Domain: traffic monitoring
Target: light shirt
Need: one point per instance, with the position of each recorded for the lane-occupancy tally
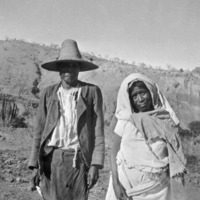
(64, 135)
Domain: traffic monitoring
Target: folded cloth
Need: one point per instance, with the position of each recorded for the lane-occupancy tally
(141, 185)
(157, 124)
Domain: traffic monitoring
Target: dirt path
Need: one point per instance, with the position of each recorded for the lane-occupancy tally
(15, 177)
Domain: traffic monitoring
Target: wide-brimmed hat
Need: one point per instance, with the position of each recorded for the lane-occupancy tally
(69, 53)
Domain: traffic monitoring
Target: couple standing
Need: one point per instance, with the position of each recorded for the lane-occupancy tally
(69, 147)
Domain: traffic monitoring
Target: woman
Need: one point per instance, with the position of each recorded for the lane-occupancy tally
(146, 150)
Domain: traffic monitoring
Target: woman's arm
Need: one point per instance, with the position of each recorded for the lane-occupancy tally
(114, 150)
(120, 191)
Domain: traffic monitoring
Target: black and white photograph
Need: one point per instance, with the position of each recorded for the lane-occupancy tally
(99, 100)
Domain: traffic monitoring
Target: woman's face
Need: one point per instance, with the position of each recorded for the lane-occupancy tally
(140, 98)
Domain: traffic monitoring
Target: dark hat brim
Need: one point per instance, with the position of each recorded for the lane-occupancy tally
(85, 65)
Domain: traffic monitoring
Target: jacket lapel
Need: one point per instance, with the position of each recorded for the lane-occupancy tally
(54, 92)
(54, 107)
(81, 107)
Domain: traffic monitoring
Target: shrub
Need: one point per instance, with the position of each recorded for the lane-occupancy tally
(9, 115)
(185, 133)
(8, 111)
(195, 127)
(19, 122)
(35, 90)
(181, 70)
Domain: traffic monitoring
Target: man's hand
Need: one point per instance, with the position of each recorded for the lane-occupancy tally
(180, 179)
(35, 179)
(93, 176)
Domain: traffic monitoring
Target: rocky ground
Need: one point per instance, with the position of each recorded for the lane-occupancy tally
(15, 177)
(14, 174)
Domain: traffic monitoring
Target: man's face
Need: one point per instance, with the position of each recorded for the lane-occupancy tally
(69, 72)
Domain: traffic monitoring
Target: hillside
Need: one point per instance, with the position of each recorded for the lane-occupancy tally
(21, 76)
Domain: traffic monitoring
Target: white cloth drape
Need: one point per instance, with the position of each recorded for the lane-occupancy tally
(124, 110)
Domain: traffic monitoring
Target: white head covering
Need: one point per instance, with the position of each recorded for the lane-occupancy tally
(124, 109)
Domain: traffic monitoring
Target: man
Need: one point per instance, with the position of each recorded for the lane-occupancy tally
(68, 148)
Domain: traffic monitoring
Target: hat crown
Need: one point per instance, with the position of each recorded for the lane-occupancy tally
(69, 51)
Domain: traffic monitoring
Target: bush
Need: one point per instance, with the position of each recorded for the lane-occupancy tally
(8, 111)
(195, 127)
(185, 133)
(9, 115)
(19, 122)
(35, 90)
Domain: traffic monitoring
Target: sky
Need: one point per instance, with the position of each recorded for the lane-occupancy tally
(154, 32)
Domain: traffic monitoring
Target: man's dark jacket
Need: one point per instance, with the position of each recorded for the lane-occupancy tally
(90, 125)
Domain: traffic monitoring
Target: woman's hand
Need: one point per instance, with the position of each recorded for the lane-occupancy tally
(35, 179)
(120, 191)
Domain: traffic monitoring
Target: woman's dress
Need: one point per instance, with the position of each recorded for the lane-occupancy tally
(142, 168)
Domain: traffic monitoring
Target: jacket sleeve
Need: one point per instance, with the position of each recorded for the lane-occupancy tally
(99, 141)
(40, 123)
